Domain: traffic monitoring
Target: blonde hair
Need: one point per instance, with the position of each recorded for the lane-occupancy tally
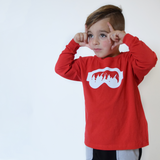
(112, 12)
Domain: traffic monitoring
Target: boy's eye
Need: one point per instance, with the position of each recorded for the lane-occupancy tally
(90, 35)
(103, 35)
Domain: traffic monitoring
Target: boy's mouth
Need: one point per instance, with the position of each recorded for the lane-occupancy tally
(97, 49)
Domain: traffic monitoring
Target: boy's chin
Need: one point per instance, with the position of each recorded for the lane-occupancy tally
(102, 57)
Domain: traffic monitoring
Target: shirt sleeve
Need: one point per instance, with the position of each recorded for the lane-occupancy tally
(142, 58)
(66, 65)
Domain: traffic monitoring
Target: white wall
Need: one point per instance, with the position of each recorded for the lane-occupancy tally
(42, 114)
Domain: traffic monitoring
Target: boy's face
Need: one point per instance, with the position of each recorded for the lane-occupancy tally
(98, 40)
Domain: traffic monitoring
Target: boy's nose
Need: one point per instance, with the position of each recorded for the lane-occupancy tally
(95, 41)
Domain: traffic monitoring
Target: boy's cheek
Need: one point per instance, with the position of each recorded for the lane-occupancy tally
(106, 43)
(89, 45)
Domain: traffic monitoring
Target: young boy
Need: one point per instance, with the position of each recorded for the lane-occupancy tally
(116, 127)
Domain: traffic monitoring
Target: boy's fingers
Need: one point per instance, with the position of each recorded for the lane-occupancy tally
(86, 30)
(85, 38)
(86, 34)
(110, 27)
(111, 37)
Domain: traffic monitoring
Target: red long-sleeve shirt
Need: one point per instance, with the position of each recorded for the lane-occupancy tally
(115, 118)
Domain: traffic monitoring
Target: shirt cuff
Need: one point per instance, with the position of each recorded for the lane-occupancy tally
(128, 39)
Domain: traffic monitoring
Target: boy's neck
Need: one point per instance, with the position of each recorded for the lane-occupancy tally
(115, 53)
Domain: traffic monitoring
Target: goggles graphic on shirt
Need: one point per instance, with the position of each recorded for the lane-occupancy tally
(110, 76)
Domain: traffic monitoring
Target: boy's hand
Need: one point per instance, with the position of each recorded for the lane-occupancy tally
(82, 38)
(115, 36)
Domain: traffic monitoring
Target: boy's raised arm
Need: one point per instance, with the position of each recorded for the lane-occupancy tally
(143, 59)
(66, 66)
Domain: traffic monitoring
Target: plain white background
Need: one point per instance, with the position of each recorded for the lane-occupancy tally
(42, 114)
